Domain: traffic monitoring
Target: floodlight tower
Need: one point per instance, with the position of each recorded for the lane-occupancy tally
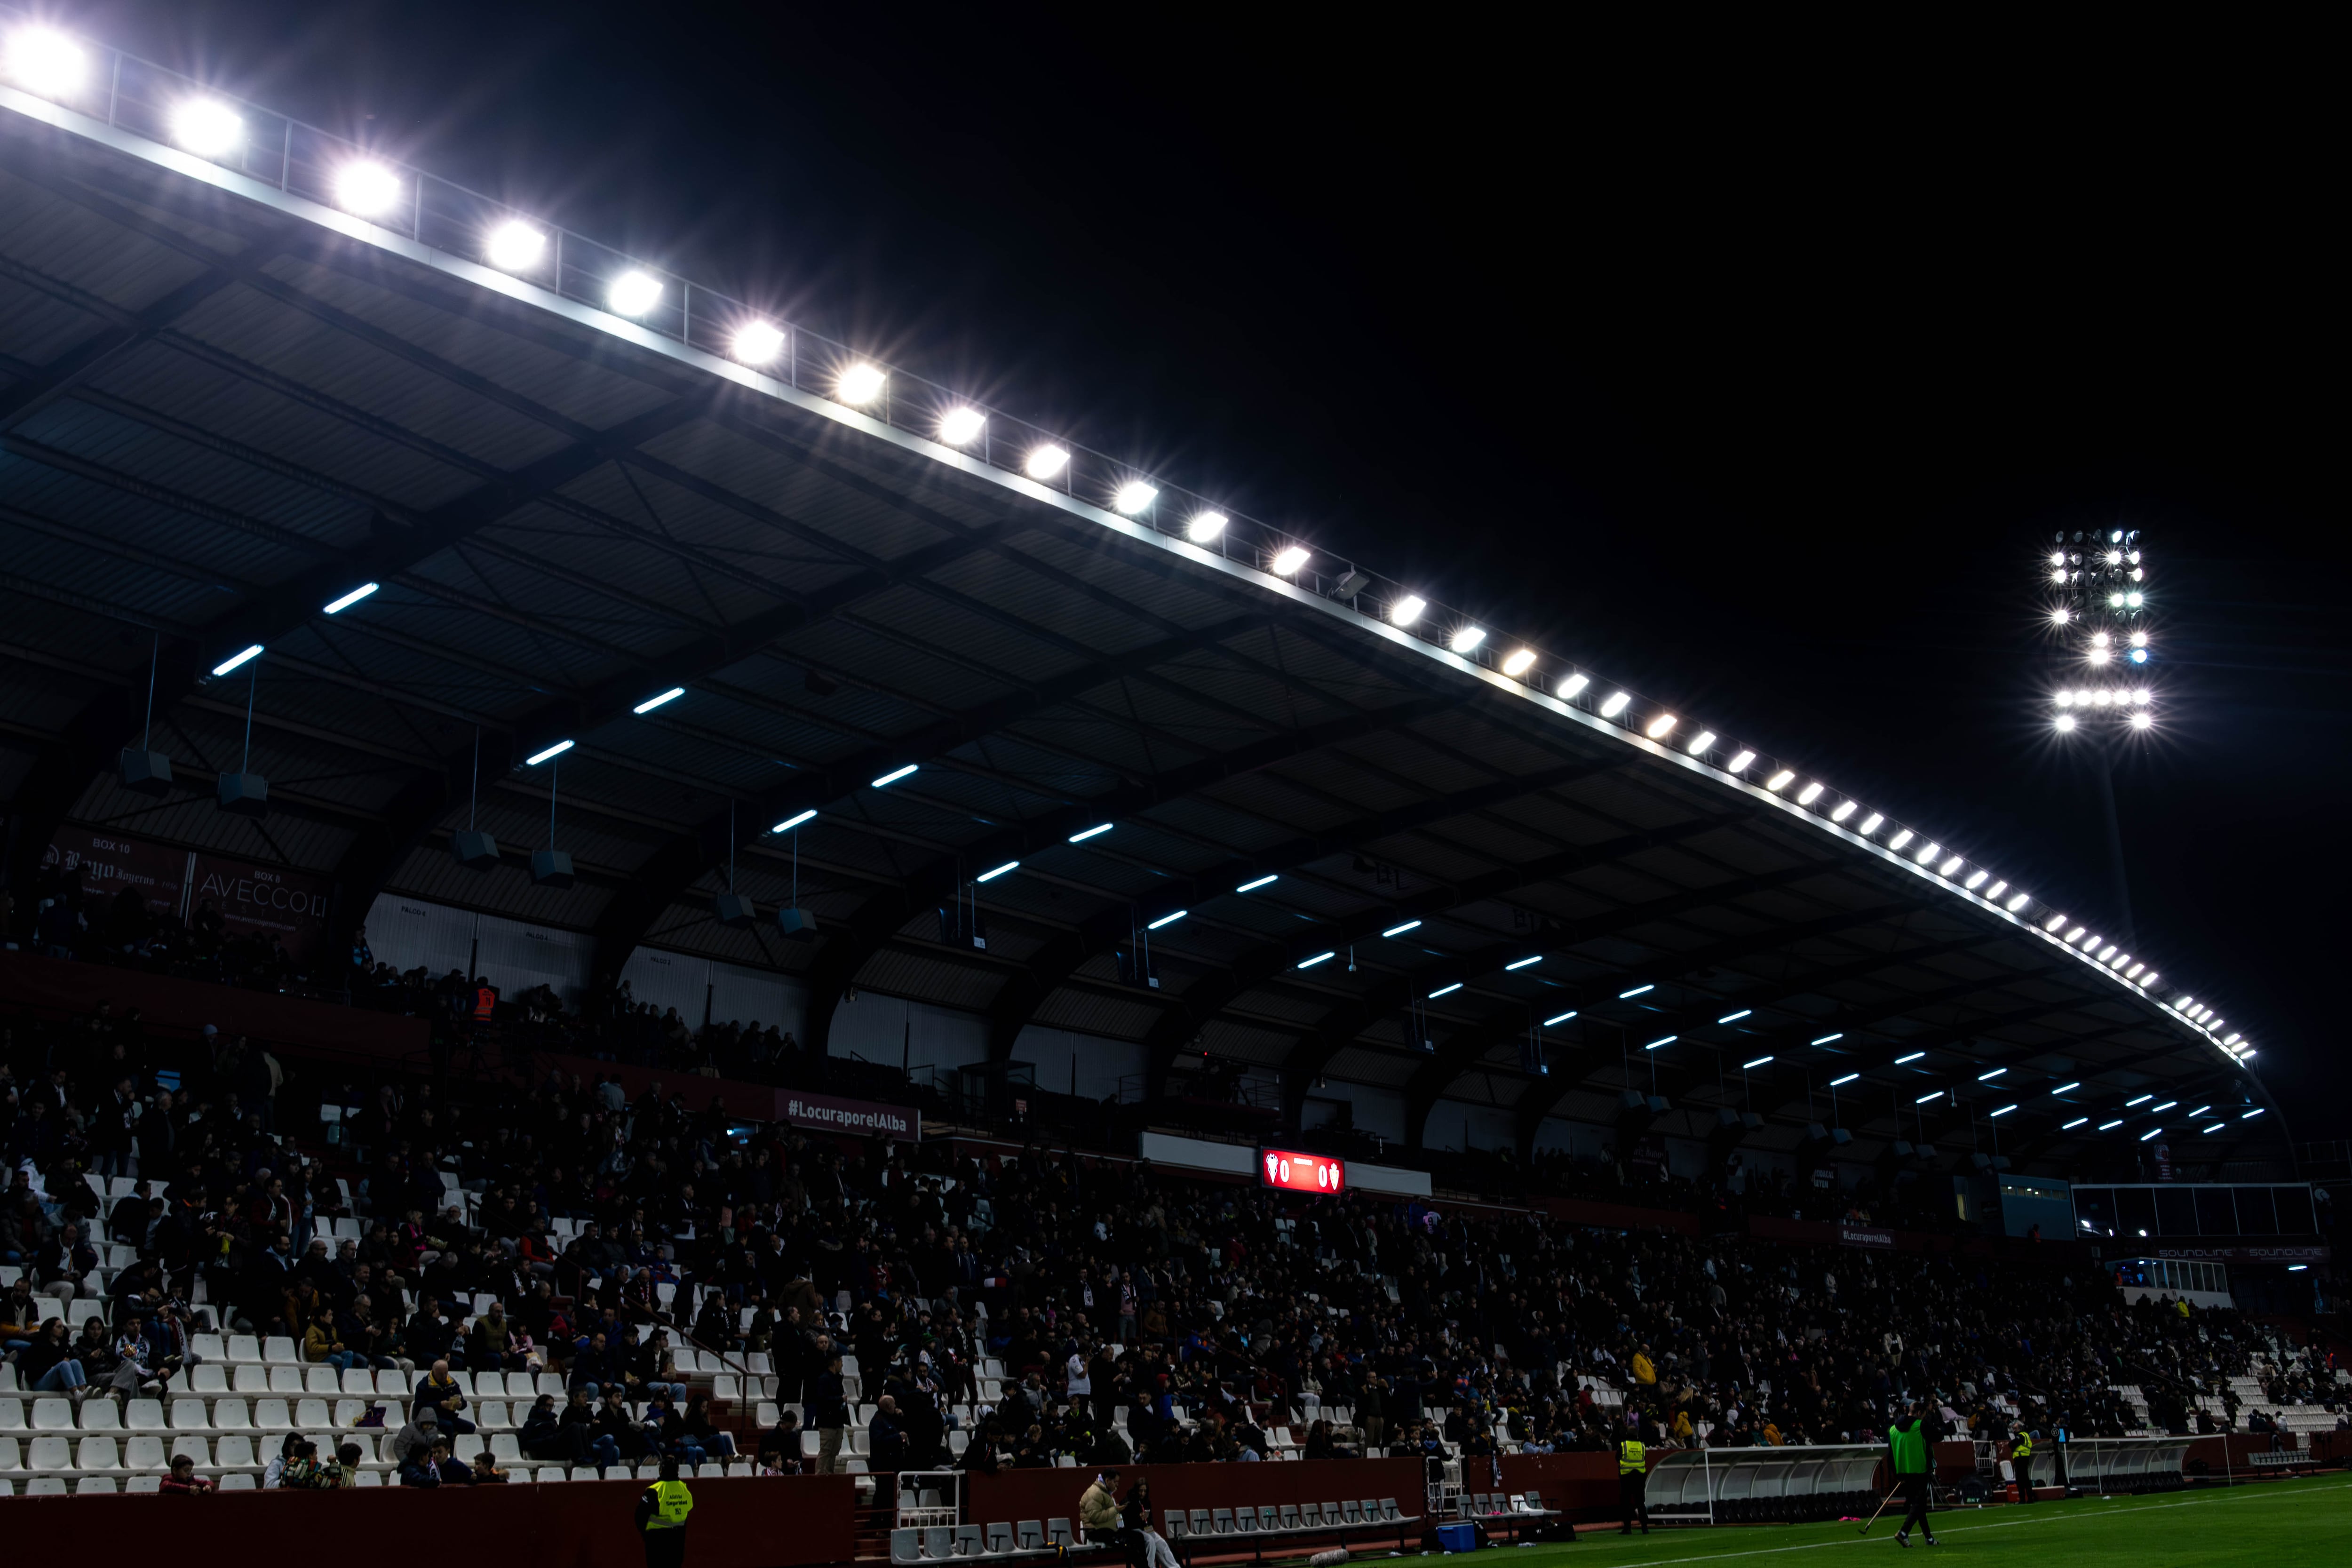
(2097, 602)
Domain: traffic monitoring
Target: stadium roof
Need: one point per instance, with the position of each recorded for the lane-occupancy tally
(1402, 857)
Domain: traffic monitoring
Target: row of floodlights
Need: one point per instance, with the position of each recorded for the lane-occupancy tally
(50, 63)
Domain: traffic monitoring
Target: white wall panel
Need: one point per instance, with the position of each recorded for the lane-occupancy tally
(405, 933)
(1099, 1064)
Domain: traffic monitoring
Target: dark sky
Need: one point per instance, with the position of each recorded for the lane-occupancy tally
(1754, 369)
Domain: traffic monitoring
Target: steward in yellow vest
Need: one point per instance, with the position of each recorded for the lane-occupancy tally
(1634, 1484)
(662, 1511)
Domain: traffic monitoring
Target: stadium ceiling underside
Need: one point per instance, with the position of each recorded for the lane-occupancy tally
(215, 418)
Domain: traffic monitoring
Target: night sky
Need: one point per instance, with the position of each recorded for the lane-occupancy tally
(1754, 369)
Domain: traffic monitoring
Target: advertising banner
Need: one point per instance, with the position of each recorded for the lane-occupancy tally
(829, 1113)
(265, 901)
(109, 862)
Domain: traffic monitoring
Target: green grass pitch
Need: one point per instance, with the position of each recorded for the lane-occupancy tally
(2278, 1524)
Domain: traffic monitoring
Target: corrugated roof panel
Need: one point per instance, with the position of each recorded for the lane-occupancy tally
(897, 971)
(855, 523)
(1091, 1012)
(66, 241)
(305, 350)
(479, 333)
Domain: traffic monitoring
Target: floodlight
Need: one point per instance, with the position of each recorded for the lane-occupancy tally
(1871, 825)
(2249, 1115)
(1205, 526)
(1400, 931)
(999, 871)
(1133, 496)
(2142, 719)
(1405, 611)
(1084, 834)
(962, 425)
(2133, 600)
(206, 127)
(366, 187)
(1950, 865)
(556, 750)
(2143, 1099)
(2155, 1109)
(1735, 1017)
(1976, 881)
(2140, 656)
(45, 61)
(1265, 881)
(2114, 557)
(1738, 764)
(1524, 659)
(1167, 919)
(634, 293)
(2100, 656)
(759, 342)
(2058, 576)
(1998, 889)
(788, 824)
(894, 775)
(1779, 781)
(2054, 922)
(2151, 1132)
(2074, 935)
(860, 384)
(1464, 638)
(2133, 972)
(1661, 726)
(234, 661)
(336, 606)
(1701, 742)
(1811, 793)
(515, 246)
(1318, 958)
(1574, 684)
(1523, 963)
(1840, 1082)
(2062, 615)
(1845, 809)
(2066, 698)
(2139, 639)
(1445, 991)
(1618, 703)
(1899, 840)
(1751, 1066)
(1045, 461)
(1559, 1018)
(1926, 1097)
(1287, 564)
(2065, 1087)
(1637, 991)
(2066, 723)
(650, 704)
(2058, 559)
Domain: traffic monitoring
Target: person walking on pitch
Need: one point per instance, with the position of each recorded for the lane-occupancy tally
(1908, 1458)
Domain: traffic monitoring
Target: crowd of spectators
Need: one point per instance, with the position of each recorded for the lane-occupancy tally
(1015, 1308)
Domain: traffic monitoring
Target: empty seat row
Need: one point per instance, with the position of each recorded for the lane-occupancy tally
(1028, 1538)
(1285, 1518)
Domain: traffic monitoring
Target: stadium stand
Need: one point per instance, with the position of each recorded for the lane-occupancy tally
(572, 1283)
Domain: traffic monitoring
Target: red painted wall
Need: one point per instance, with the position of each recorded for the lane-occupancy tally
(776, 1523)
(178, 1009)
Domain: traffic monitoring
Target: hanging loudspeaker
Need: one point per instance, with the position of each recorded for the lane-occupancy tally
(551, 868)
(796, 923)
(735, 911)
(476, 850)
(245, 794)
(147, 773)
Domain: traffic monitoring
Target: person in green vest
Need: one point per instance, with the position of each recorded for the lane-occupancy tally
(1910, 1458)
(2020, 1460)
(661, 1518)
(1634, 1482)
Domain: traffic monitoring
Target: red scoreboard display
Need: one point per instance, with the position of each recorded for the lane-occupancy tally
(1296, 1173)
